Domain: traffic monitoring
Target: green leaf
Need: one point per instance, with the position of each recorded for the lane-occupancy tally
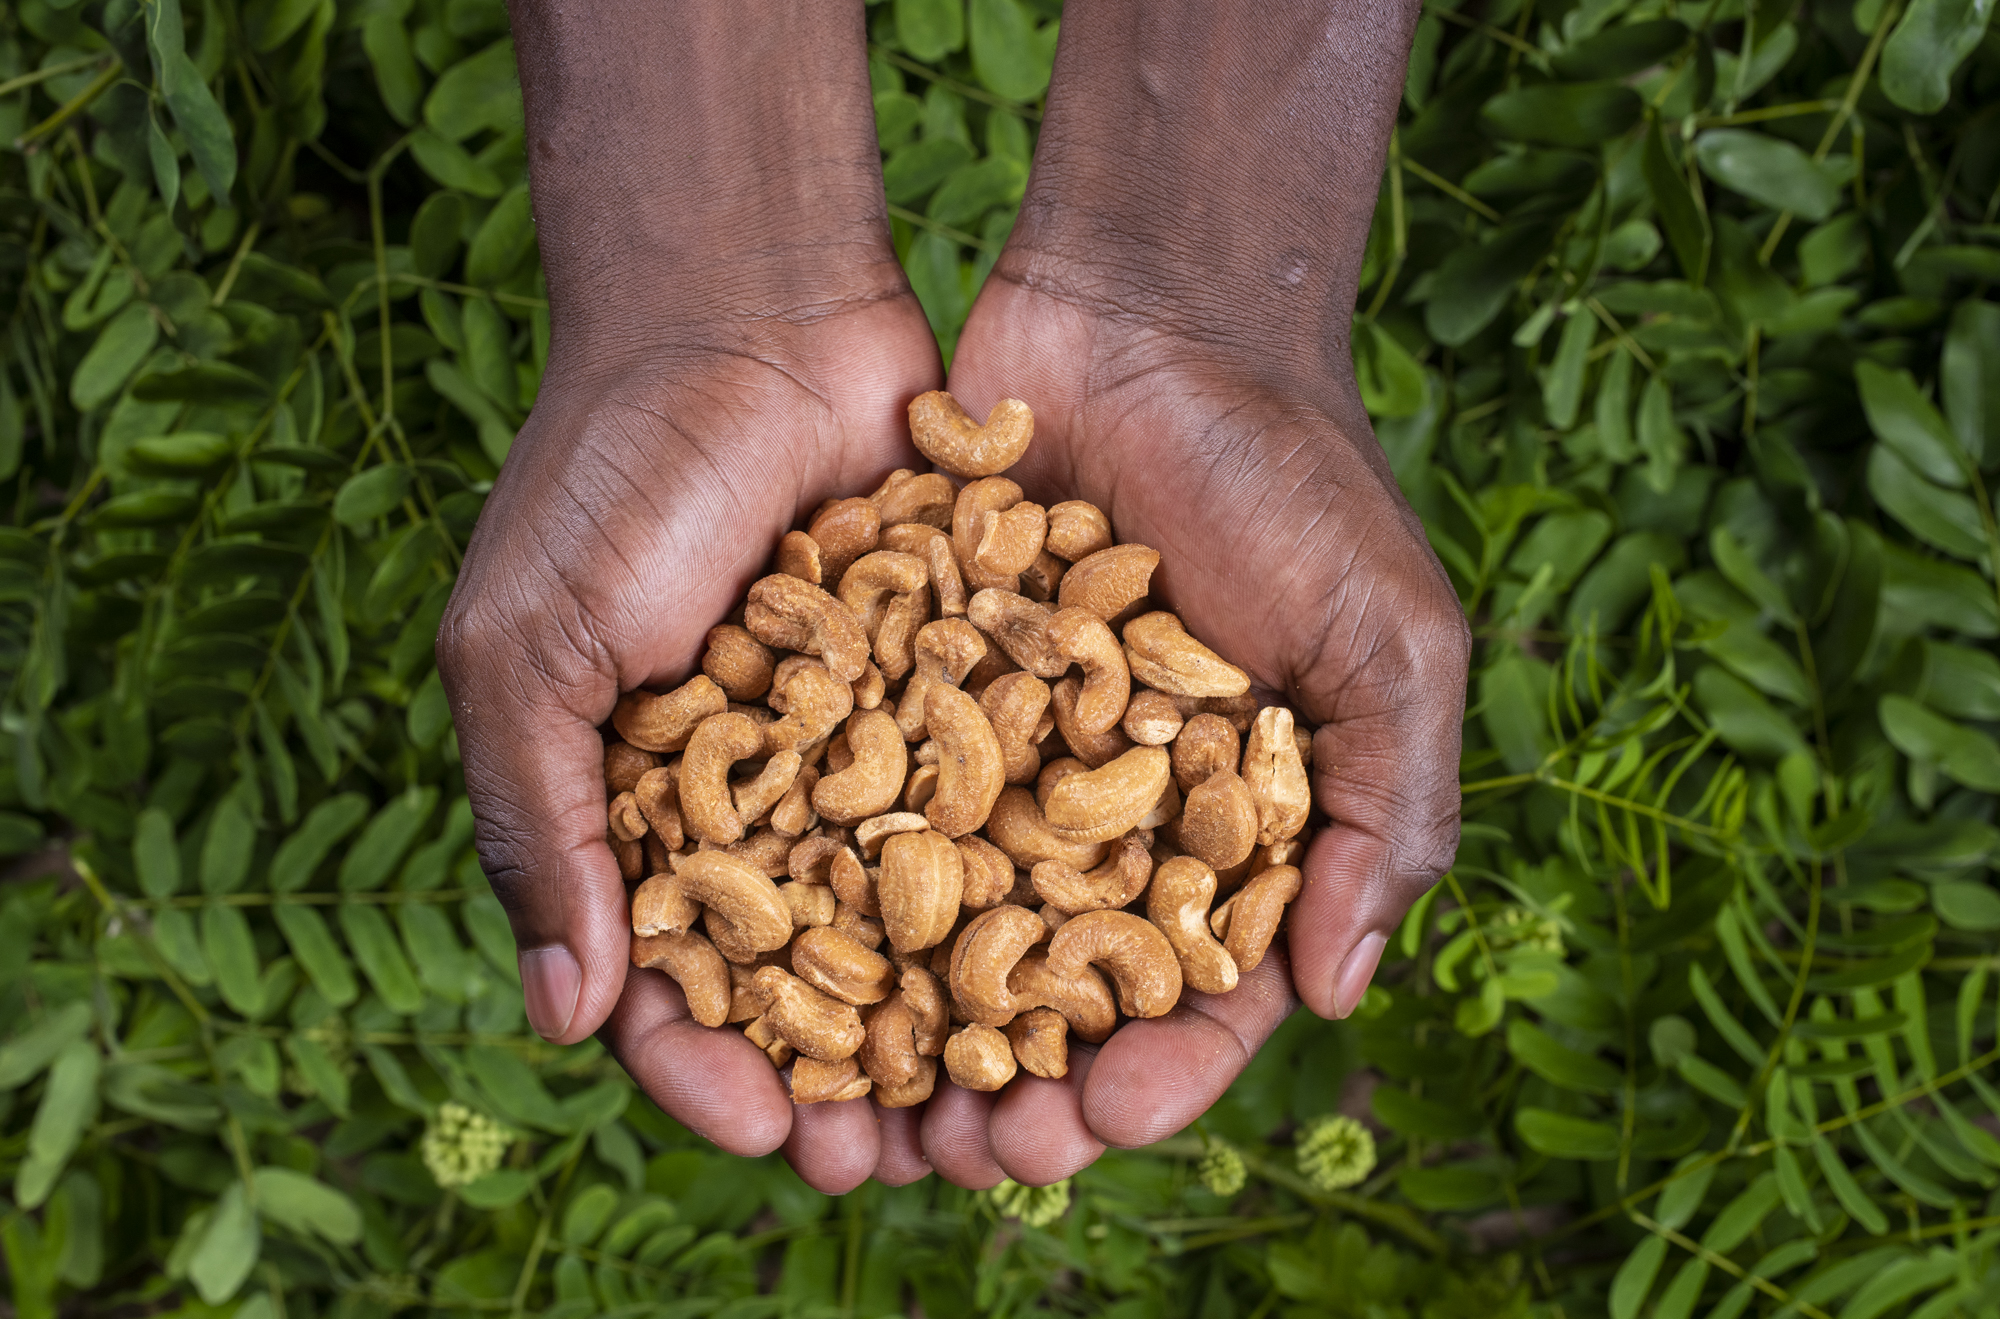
(121, 345)
(397, 76)
(194, 108)
(1562, 388)
(1424, 1118)
(1006, 57)
(1930, 41)
(1566, 1137)
(1559, 1064)
(504, 239)
(1682, 1198)
(322, 1075)
(1741, 1216)
(475, 94)
(203, 382)
(165, 161)
(1966, 754)
(229, 1247)
(1621, 50)
(588, 1213)
(1769, 170)
(376, 854)
(155, 854)
(930, 29)
(453, 166)
(1710, 1080)
(307, 1205)
(496, 437)
(325, 962)
(371, 494)
(1392, 382)
(227, 847)
(1845, 1189)
(1475, 282)
(1634, 1278)
(69, 1105)
(225, 936)
(381, 957)
(23, 1057)
(1564, 114)
(1906, 421)
(497, 1190)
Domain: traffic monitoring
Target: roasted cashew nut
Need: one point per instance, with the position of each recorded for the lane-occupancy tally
(979, 1058)
(1018, 626)
(970, 770)
(1276, 776)
(658, 796)
(811, 905)
(921, 990)
(1080, 637)
(817, 1025)
(889, 1053)
(1177, 903)
(908, 499)
(792, 614)
(1083, 998)
(834, 963)
(1136, 955)
(625, 764)
(692, 962)
(739, 663)
(1110, 582)
(844, 529)
(1040, 1040)
(1010, 541)
(755, 798)
(1249, 920)
(719, 742)
(1100, 804)
(1205, 745)
(1093, 749)
(951, 439)
(922, 879)
(1116, 883)
(1018, 828)
(798, 556)
(935, 549)
(1013, 704)
(1151, 718)
(870, 785)
(946, 652)
(1077, 530)
(665, 722)
(875, 579)
(982, 957)
(989, 875)
(812, 703)
(1167, 659)
(816, 1082)
(1219, 821)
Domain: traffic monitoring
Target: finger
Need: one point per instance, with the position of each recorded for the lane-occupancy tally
(955, 1136)
(901, 1160)
(1037, 1132)
(713, 1082)
(833, 1146)
(1154, 1077)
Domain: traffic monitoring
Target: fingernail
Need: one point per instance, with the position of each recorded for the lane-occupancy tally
(550, 983)
(1357, 971)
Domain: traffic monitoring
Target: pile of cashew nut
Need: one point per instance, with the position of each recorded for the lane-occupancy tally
(950, 724)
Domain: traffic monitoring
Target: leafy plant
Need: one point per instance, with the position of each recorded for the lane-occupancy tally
(1677, 329)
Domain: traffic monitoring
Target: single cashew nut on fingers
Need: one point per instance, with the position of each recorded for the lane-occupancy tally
(1219, 821)
(1110, 582)
(1178, 902)
(816, 1082)
(654, 722)
(1138, 958)
(792, 614)
(817, 1025)
(1080, 637)
(911, 1092)
(720, 741)
(1167, 659)
(833, 963)
(1040, 1040)
(1116, 883)
(1276, 776)
(1100, 804)
(1083, 999)
(922, 880)
(871, 784)
(971, 772)
(1249, 920)
(982, 957)
(692, 962)
(979, 1058)
(945, 434)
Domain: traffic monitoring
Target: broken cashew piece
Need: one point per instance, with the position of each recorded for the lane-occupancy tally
(1219, 821)
(945, 434)
(1077, 530)
(816, 1082)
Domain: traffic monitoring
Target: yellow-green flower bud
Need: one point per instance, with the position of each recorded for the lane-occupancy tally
(462, 1146)
(1221, 1169)
(1336, 1152)
(1035, 1206)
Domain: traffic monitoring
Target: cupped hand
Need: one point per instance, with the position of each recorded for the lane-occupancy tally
(639, 503)
(1287, 547)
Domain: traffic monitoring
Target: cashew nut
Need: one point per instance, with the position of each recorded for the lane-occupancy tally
(872, 832)
(876, 578)
(1042, 579)
(798, 556)
(934, 547)
(845, 530)
(810, 904)
(756, 798)
(1010, 540)
(920, 787)
(631, 856)
(1094, 749)
(983, 955)
(815, 1024)
(1132, 950)
(979, 1058)
(834, 963)
(946, 652)
(889, 1053)
(624, 764)
(658, 797)
(739, 663)
(1120, 880)
(792, 614)
(922, 880)
(661, 905)
(1077, 530)
(1013, 704)
(1077, 636)
(970, 770)
(913, 1091)
(989, 875)
(1248, 921)
(977, 502)
(1098, 805)
(760, 1033)
(924, 994)
(869, 786)
(1165, 657)
(1040, 1040)
(1276, 776)
(1018, 626)
(853, 883)
(743, 905)
(1110, 581)
(1151, 718)
(1219, 821)
(811, 856)
(948, 437)
(1018, 828)
(693, 964)
(628, 825)
(1206, 744)
(665, 722)
(811, 701)
(816, 1082)
(1083, 998)
(793, 814)
(1178, 902)
(719, 742)
(864, 930)
(907, 498)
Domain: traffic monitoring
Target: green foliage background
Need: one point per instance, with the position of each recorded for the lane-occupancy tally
(1677, 326)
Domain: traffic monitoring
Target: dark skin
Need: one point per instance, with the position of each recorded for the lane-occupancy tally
(734, 342)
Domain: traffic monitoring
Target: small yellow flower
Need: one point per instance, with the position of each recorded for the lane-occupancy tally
(1035, 1206)
(1336, 1152)
(462, 1146)
(1221, 1169)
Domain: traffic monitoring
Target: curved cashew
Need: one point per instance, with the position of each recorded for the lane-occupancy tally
(1094, 749)
(922, 880)
(1099, 804)
(665, 722)
(798, 556)
(628, 824)
(948, 437)
(1042, 579)
(792, 614)
(922, 992)
(1077, 530)
(719, 742)
(793, 814)
(979, 1058)
(1138, 957)
(1151, 718)
(946, 652)
(816, 1082)
(1165, 811)
(1018, 828)
(833, 963)
(896, 640)
(1249, 920)
(970, 771)
(811, 1022)
(1010, 540)
(631, 857)
(767, 849)
(739, 663)
(1040, 1040)
(693, 964)
(756, 798)
(995, 494)
(864, 930)
(869, 786)
(811, 701)
(869, 688)
(1110, 581)
(739, 897)
(661, 905)
(889, 1053)
(1219, 821)
(982, 957)
(907, 498)
(989, 875)
(876, 830)
(1239, 711)
(1114, 884)
(1276, 776)
(875, 578)
(1080, 637)
(1018, 626)
(1178, 904)
(658, 796)
(1053, 773)
(811, 905)
(1165, 657)
(853, 883)
(935, 549)
(845, 529)
(624, 764)
(811, 856)
(1205, 745)
(1013, 704)
(1083, 998)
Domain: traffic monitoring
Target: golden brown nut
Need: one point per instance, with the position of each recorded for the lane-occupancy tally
(874, 580)
(870, 785)
(979, 1058)
(1042, 579)
(739, 663)
(1084, 999)
(1206, 744)
(853, 883)
(1018, 626)
(983, 955)
(742, 903)
(907, 498)
(1040, 1040)
(951, 439)
(658, 796)
(655, 722)
(1014, 704)
(924, 994)
(692, 962)
(815, 1024)
(1166, 658)
(798, 556)
(889, 1053)
(922, 880)
(812, 702)
(1100, 804)
(871, 833)
(946, 652)
(1151, 718)
(1094, 749)
(1018, 828)
(833, 962)
(1111, 582)
(816, 1082)
(935, 549)
(1276, 776)
(1218, 821)
(845, 530)
(1177, 903)
(1010, 541)
(624, 764)
(913, 1091)
(707, 810)
(661, 905)
(793, 814)
(1138, 958)
(791, 614)
(970, 770)
(628, 825)
(989, 875)
(1116, 883)
(976, 503)
(1249, 920)
(811, 904)
(1080, 637)
(755, 798)
(1077, 530)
